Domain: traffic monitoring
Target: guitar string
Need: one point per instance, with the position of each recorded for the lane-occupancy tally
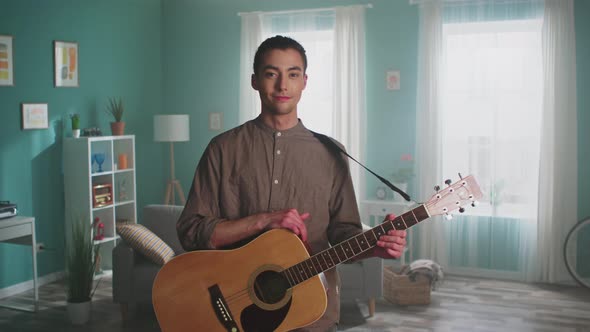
(237, 295)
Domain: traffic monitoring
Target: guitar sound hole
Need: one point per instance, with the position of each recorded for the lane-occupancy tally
(270, 287)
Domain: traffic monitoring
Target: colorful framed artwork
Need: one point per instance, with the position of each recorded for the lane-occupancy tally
(34, 116)
(66, 62)
(6, 61)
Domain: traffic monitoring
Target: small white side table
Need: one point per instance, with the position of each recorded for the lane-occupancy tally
(21, 230)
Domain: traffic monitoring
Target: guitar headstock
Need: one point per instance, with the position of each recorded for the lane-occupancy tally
(454, 197)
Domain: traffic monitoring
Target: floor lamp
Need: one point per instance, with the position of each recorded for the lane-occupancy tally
(172, 128)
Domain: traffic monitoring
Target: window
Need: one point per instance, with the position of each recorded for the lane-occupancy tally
(492, 76)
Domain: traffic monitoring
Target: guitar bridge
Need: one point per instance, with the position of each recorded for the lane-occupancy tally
(222, 310)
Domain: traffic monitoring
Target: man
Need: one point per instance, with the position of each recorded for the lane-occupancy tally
(271, 172)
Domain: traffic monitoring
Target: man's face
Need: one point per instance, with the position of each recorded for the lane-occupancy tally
(279, 81)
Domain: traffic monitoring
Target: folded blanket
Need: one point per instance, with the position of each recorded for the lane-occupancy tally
(425, 268)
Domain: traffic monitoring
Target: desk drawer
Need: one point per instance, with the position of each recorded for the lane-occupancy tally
(16, 231)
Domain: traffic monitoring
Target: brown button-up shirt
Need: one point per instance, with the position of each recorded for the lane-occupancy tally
(253, 169)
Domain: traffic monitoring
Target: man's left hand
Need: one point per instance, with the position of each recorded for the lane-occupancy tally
(392, 244)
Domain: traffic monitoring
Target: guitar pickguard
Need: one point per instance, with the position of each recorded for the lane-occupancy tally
(256, 319)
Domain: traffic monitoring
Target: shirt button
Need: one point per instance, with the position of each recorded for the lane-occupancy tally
(279, 134)
(278, 151)
(276, 181)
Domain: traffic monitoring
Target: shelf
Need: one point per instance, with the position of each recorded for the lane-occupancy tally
(81, 179)
(103, 207)
(106, 240)
(124, 203)
(101, 173)
(126, 170)
(103, 273)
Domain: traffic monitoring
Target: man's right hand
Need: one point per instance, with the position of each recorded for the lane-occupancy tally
(288, 219)
(229, 232)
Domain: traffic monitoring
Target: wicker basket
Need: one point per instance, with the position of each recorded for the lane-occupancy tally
(401, 290)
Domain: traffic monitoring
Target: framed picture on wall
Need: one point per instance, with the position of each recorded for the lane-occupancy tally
(393, 80)
(34, 116)
(6, 61)
(66, 62)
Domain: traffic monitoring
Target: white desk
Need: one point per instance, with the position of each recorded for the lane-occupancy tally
(373, 212)
(379, 209)
(21, 230)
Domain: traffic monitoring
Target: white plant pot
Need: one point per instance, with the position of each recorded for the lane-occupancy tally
(76, 133)
(79, 313)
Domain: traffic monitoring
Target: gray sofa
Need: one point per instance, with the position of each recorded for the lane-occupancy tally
(133, 274)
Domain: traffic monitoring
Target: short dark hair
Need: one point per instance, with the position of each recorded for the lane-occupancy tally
(281, 43)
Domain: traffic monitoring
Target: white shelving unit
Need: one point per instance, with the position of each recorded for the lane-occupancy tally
(106, 192)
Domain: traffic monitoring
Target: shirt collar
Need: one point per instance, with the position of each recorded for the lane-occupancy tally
(298, 129)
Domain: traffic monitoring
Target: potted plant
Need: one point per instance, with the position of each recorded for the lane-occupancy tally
(80, 266)
(115, 108)
(75, 125)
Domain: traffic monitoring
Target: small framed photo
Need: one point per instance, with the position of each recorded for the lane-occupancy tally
(66, 61)
(6, 61)
(393, 78)
(34, 116)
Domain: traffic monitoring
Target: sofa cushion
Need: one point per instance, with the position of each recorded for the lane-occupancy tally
(144, 241)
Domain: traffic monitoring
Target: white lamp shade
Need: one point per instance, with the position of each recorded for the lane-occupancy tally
(171, 128)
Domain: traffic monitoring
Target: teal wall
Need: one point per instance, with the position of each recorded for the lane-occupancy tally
(182, 56)
(119, 52)
(582, 25)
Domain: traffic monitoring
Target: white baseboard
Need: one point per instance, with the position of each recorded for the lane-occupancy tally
(28, 285)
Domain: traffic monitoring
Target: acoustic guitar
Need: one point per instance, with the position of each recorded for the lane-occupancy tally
(272, 284)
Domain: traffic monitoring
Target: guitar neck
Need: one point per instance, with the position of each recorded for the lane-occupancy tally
(352, 247)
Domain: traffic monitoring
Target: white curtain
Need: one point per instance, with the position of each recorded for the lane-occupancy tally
(334, 40)
(349, 114)
(251, 37)
(519, 229)
(558, 199)
(428, 237)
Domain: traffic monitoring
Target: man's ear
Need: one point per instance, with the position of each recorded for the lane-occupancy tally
(304, 81)
(254, 82)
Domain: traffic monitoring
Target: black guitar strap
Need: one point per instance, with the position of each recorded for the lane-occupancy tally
(334, 147)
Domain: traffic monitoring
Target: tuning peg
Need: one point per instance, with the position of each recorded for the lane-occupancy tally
(474, 203)
(461, 210)
(436, 188)
(448, 216)
(448, 182)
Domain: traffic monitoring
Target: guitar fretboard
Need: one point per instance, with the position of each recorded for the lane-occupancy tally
(350, 248)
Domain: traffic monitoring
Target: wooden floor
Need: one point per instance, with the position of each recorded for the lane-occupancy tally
(460, 304)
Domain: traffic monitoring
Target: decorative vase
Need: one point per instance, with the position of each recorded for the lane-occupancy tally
(75, 133)
(403, 186)
(122, 161)
(117, 128)
(79, 313)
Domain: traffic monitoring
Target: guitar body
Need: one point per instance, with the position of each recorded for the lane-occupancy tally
(238, 290)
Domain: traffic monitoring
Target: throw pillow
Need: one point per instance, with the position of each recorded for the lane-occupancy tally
(144, 241)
